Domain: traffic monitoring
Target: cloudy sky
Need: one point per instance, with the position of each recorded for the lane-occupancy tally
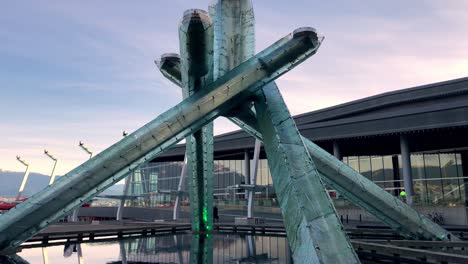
(83, 70)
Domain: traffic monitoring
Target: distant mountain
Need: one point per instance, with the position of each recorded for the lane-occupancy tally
(11, 180)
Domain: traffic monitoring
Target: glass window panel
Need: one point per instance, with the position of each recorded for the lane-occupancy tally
(229, 181)
(235, 172)
(461, 181)
(434, 191)
(417, 167)
(459, 165)
(263, 173)
(434, 187)
(451, 192)
(462, 191)
(353, 163)
(240, 173)
(222, 174)
(448, 165)
(420, 192)
(365, 167)
(388, 171)
(400, 168)
(216, 182)
(432, 166)
(418, 174)
(448, 168)
(378, 171)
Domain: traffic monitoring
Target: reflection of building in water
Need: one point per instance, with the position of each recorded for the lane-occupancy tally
(226, 249)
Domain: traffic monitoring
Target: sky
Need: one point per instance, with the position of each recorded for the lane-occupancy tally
(84, 70)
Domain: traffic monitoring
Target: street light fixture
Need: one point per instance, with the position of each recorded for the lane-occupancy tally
(86, 149)
(25, 177)
(52, 175)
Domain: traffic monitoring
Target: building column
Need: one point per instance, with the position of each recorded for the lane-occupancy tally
(406, 165)
(122, 200)
(337, 150)
(396, 175)
(337, 154)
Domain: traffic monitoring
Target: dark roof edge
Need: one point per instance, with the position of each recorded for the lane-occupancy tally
(378, 96)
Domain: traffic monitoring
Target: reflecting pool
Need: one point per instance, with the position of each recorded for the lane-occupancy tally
(182, 248)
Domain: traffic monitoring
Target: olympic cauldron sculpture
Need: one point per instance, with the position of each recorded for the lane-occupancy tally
(220, 75)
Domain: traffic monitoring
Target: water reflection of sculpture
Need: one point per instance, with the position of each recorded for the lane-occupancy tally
(225, 248)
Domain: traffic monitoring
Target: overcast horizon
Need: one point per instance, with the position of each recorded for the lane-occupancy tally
(84, 70)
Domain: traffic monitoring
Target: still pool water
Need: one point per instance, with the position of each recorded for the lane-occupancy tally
(222, 248)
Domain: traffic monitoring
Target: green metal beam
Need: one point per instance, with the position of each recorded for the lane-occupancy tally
(196, 49)
(234, 24)
(315, 233)
(201, 249)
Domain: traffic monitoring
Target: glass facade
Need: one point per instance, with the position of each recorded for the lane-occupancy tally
(154, 184)
(437, 180)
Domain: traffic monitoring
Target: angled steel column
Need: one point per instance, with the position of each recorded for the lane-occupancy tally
(234, 43)
(196, 49)
(183, 175)
(234, 34)
(253, 178)
(406, 164)
(350, 184)
(111, 165)
(314, 231)
(119, 215)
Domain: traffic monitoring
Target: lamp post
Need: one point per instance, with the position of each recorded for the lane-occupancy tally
(25, 177)
(56, 161)
(86, 149)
